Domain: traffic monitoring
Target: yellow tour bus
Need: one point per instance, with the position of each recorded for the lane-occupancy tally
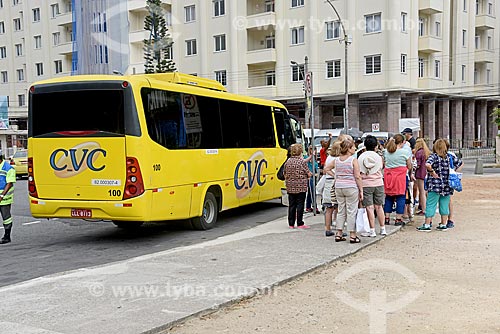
(151, 147)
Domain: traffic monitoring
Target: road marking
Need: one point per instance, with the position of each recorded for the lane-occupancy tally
(31, 223)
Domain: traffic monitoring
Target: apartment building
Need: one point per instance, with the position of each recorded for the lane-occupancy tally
(437, 60)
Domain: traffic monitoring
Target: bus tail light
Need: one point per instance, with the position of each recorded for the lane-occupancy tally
(31, 179)
(133, 185)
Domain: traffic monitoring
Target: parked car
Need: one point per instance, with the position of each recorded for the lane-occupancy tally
(20, 162)
(380, 135)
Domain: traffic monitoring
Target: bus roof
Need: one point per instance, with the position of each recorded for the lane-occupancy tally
(186, 80)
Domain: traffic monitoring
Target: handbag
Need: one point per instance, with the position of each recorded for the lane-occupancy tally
(362, 223)
(281, 172)
(454, 179)
(321, 185)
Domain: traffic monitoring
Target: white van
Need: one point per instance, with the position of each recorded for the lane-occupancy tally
(324, 135)
(380, 135)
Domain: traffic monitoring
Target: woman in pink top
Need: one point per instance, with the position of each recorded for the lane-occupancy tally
(371, 165)
(348, 188)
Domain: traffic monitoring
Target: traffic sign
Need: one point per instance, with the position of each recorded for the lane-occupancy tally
(308, 83)
(375, 127)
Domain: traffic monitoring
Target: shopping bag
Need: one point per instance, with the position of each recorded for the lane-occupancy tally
(454, 179)
(321, 185)
(362, 223)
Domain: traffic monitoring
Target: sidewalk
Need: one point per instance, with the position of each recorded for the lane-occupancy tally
(153, 292)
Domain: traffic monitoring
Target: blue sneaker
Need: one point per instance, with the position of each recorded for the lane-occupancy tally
(450, 224)
(424, 228)
(441, 227)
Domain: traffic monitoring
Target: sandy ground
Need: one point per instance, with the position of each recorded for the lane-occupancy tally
(410, 282)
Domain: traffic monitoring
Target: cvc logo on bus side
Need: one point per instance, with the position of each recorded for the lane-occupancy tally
(68, 163)
(249, 173)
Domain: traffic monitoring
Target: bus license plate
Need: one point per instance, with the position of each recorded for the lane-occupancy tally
(81, 213)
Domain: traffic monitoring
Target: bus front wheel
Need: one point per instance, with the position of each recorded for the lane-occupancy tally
(209, 214)
(127, 225)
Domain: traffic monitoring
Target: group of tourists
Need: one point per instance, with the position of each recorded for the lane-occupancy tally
(401, 175)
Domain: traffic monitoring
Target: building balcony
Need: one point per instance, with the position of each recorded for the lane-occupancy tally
(64, 19)
(430, 44)
(136, 5)
(261, 56)
(430, 83)
(138, 36)
(484, 56)
(267, 92)
(485, 22)
(430, 7)
(261, 20)
(64, 48)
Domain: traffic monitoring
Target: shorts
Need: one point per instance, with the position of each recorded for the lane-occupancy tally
(373, 196)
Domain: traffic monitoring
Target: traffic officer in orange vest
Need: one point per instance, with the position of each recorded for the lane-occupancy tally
(7, 180)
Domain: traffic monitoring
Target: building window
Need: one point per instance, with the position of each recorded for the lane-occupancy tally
(17, 24)
(421, 67)
(464, 73)
(373, 23)
(5, 77)
(373, 64)
(477, 42)
(476, 76)
(297, 35)
(270, 42)
(1, 3)
(169, 54)
(56, 38)
(2, 27)
(490, 8)
(437, 69)
(19, 49)
(190, 13)
(333, 69)
(297, 3)
(15, 2)
(3, 52)
(219, 8)
(488, 76)
(465, 5)
(20, 75)
(477, 7)
(464, 38)
(269, 6)
(403, 62)
(39, 69)
(404, 22)
(438, 29)
(221, 77)
(36, 14)
(490, 43)
(421, 27)
(22, 100)
(270, 78)
(38, 42)
(191, 47)
(220, 43)
(297, 73)
(332, 29)
(54, 9)
(58, 66)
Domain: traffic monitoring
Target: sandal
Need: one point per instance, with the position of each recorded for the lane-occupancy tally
(354, 240)
(339, 238)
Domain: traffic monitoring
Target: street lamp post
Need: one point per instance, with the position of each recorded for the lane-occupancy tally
(346, 71)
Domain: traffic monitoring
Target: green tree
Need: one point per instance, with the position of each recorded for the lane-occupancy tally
(157, 48)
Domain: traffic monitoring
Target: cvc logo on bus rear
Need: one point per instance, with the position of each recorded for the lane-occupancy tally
(68, 163)
(249, 173)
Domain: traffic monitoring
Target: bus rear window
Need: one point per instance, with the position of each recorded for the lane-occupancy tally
(79, 111)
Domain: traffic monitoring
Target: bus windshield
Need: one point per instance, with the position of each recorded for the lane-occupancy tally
(77, 111)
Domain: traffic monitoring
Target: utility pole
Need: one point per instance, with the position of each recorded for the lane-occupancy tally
(346, 41)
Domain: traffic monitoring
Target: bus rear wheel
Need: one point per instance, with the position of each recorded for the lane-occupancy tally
(209, 214)
(127, 225)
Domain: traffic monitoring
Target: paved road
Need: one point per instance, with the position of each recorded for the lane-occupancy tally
(43, 247)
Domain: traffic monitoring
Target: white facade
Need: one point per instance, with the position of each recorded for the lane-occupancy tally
(408, 58)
